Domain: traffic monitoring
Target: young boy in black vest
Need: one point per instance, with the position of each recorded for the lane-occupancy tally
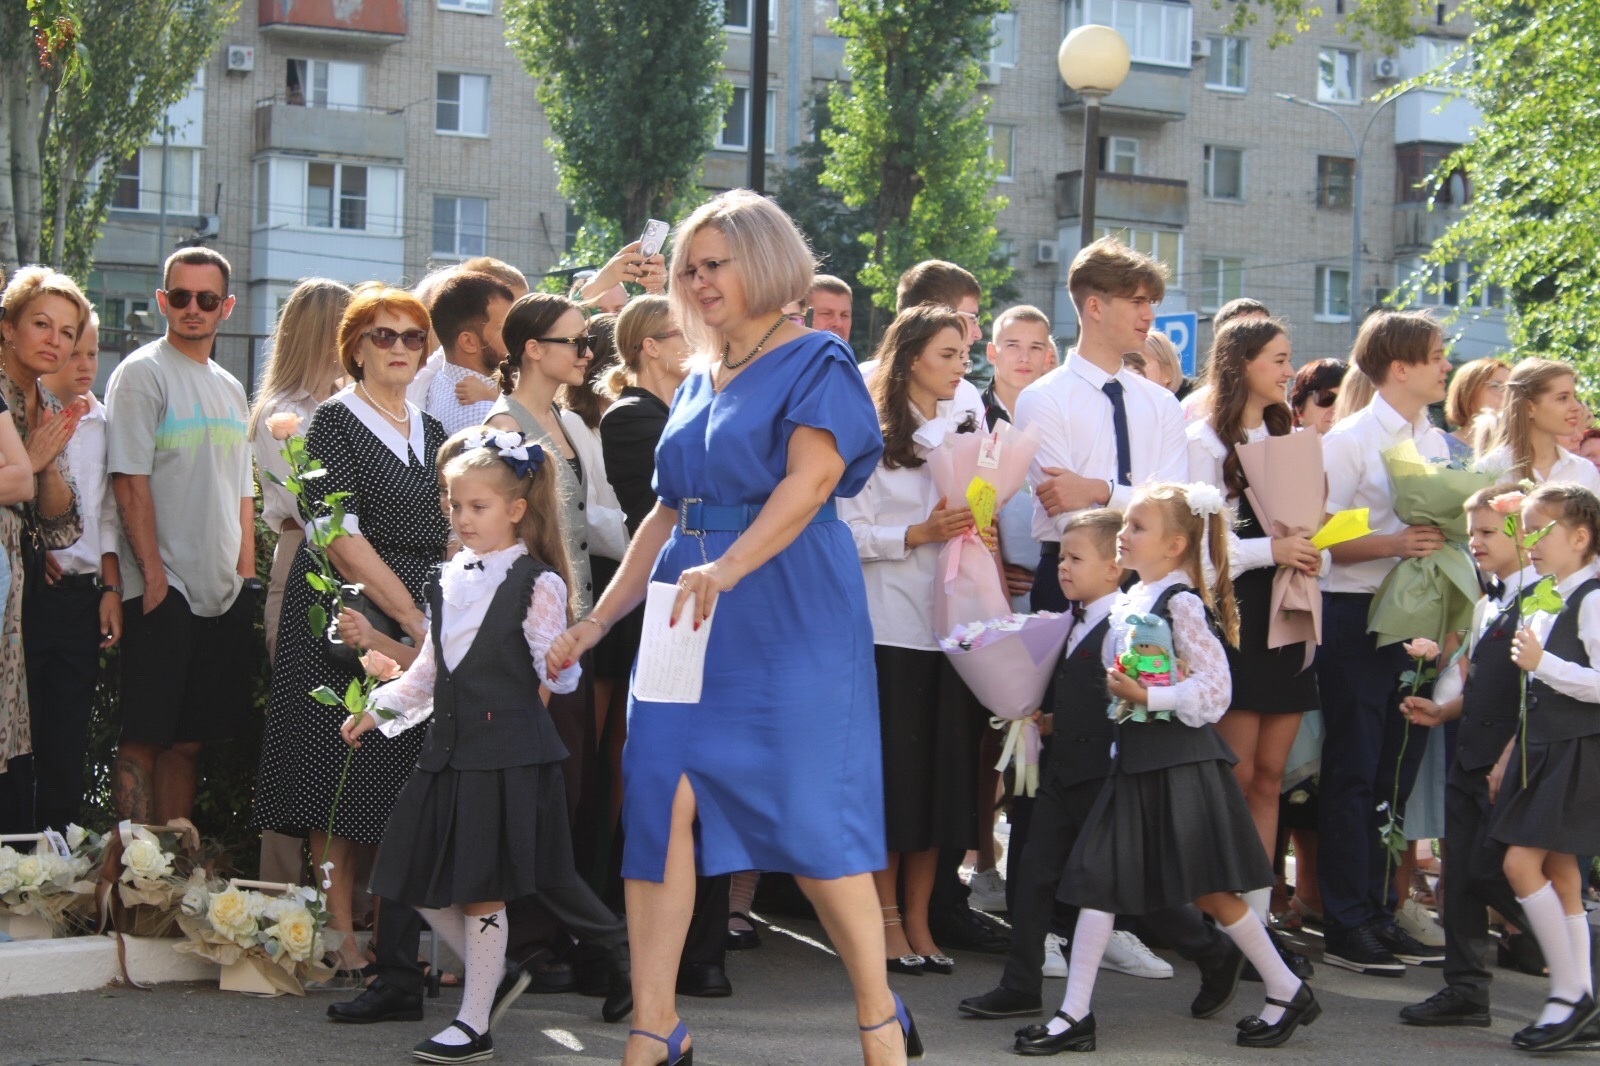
(1078, 763)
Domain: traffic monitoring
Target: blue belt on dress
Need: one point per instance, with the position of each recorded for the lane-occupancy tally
(695, 516)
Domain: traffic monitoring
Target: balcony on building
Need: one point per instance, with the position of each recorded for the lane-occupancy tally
(1424, 204)
(1150, 94)
(1128, 199)
(284, 124)
(1434, 115)
(337, 23)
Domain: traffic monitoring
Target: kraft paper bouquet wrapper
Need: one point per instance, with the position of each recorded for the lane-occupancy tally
(1287, 488)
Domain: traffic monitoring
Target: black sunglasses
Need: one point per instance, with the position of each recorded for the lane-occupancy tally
(179, 299)
(384, 337)
(1325, 397)
(581, 343)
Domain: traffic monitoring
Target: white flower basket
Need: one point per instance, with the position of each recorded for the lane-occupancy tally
(25, 926)
(252, 973)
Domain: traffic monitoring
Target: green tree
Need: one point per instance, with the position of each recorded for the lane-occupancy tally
(73, 105)
(634, 95)
(1387, 23)
(911, 142)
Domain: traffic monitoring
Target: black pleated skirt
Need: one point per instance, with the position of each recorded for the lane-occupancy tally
(931, 727)
(476, 836)
(1268, 680)
(1163, 839)
(1556, 810)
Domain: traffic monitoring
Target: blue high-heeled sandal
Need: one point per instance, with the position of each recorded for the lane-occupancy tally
(676, 1055)
(908, 1026)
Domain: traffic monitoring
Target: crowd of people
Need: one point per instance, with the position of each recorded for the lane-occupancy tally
(516, 470)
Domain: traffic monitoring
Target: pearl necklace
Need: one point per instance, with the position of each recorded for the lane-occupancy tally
(762, 343)
(404, 416)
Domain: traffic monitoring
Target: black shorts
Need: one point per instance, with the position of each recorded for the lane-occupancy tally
(186, 678)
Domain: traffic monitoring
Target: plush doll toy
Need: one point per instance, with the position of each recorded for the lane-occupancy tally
(1150, 660)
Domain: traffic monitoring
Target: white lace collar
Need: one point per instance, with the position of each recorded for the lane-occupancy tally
(386, 431)
(468, 576)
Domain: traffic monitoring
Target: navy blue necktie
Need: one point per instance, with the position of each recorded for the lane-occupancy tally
(1119, 423)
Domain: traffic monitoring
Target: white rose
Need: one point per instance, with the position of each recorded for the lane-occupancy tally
(30, 872)
(8, 858)
(76, 835)
(295, 932)
(229, 914)
(144, 859)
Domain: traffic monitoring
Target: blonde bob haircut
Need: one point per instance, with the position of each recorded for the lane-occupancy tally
(32, 282)
(773, 260)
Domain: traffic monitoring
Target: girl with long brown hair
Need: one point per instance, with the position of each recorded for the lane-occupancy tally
(1541, 407)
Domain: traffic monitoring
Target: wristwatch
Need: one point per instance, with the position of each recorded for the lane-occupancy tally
(103, 589)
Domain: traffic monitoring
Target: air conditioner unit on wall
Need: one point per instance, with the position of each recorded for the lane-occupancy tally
(1386, 69)
(1047, 252)
(241, 58)
(989, 74)
(1200, 48)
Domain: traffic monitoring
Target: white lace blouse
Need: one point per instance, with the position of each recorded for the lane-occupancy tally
(1202, 697)
(468, 583)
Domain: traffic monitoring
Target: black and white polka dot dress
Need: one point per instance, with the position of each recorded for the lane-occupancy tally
(397, 505)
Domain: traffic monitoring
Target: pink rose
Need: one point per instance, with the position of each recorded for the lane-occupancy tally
(1422, 648)
(380, 666)
(283, 425)
(1507, 503)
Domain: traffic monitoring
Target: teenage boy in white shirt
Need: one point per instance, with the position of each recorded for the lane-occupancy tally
(1403, 355)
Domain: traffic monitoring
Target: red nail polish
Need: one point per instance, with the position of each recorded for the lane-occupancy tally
(671, 622)
(697, 626)
(566, 664)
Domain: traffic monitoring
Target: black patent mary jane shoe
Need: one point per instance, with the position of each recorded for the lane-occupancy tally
(1303, 1009)
(1038, 1040)
(476, 1049)
(1561, 1034)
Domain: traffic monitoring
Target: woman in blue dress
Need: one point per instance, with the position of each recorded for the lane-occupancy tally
(778, 766)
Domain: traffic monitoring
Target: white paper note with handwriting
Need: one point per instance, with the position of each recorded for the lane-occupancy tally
(672, 659)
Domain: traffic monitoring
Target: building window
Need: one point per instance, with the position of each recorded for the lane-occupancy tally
(1163, 245)
(1226, 66)
(127, 195)
(735, 134)
(1450, 285)
(463, 104)
(740, 15)
(1002, 146)
(1332, 295)
(1004, 51)
(139, 181)
(323, 83)
(1119, 155)
(1156, 32)
(1224, 178)
(1338, 76)
(460, 226)
(336, 196)
(1415, 165)
(1335, 181)
(1221, 280)
(475, 7)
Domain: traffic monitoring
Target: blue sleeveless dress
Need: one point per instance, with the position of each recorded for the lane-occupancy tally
(782, 751)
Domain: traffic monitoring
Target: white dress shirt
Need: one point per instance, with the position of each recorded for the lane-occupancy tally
(1203, 695)
(1076, 433)
(1568, 467)
(1570, 679)
(900, 582)
(417, 391)
(452, 414)
(608, 527)
(278, 503)
(1352, 455)
(86, 458)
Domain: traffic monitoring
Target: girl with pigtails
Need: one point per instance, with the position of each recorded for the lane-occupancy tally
(1170, 826)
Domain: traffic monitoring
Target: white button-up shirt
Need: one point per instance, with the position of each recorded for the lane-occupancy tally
(1568, 467)
(1077, 434)
(1568, 678)
(442, 404)
(86, 458)
(1352, 455)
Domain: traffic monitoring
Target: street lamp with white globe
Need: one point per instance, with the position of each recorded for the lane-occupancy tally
(1093, 61)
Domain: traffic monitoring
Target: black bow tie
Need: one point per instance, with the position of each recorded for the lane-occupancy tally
(475, 565)
(1496, 589)
(1078, 613)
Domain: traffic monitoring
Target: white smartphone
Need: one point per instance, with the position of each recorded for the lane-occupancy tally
(654, 236)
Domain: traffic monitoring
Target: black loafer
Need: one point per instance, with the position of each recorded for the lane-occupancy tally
(1038, 1040)
(943, 965)
(1558, 1035)
(1446, 1007)
(742, 939)
(619, 996)
(1303, 1009)
(380, 1003)
(1219, 981)
(705, 980)
(1001, 1003)
(910, 965)
(475, 1049)
(965, 929)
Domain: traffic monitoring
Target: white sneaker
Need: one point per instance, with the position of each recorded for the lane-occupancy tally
(1055, 963)
(1127, 954)
(988, 892)
(1414, 918)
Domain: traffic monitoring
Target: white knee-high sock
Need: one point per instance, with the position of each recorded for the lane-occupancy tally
(1089, 939)
(1548, 922)
(1258, 900)
(486, 953)
(1582, 949)
(1251, 936)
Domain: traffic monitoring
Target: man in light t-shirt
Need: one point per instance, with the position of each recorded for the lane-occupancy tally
(179, 459)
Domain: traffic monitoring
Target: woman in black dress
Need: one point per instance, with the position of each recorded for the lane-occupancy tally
(1272, 687)
(380, 449)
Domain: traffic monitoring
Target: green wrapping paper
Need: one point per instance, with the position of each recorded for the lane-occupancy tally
(1430, 597)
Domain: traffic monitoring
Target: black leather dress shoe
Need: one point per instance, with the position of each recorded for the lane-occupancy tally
(742, 939)
(379, 1003)
(1219, 980)
(1446, 1007)
(619, 995)
(1303, 1009)
(1037, 1039)
(1588, 1039)
(1558, 1035)
(706, 980)
(968, 930)
(1001, 1003)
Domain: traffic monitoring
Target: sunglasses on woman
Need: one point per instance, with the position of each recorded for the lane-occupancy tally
(383, 337)
(1325, 397)
(581, 343)
(178, 299)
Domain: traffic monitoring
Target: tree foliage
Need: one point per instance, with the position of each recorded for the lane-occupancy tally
(1385, 23)
(634, 95)
(910, 141)
(87, 95)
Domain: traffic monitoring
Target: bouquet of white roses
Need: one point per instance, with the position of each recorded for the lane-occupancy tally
(267, 937)
(46, 885)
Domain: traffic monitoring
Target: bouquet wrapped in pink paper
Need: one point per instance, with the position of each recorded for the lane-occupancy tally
(969, 580)
(1288, 491)
(1007, 662)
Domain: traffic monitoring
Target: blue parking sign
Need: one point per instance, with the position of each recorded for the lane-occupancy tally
(1182, 329)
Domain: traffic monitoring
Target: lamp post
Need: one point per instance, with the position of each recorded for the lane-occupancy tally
(1359, 146)
(1093, 61)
